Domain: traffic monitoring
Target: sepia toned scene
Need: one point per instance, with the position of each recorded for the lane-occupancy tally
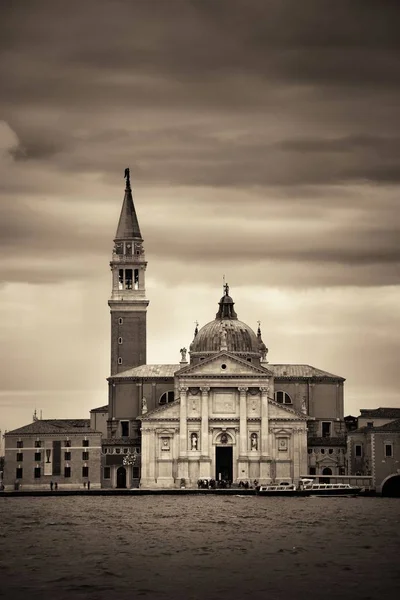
(200, 300)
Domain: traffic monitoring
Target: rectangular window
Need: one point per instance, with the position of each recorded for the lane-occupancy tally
(121, 279)
(37, 473)
(388, 450)
(326, 429)
(38, 456)
(85, 443)
(20, 457)
(19, 472)
(312, 470)
(107, 473)
(85, 455)
(67, 471)
(125, 428)
(358, 450)
(38, 444)
(136, 279)
(67, 455)
(85, 471)
(20, 444)
(67, 443)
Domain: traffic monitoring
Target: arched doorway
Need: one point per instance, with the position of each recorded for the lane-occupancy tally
(326, 471)
(121, 477)
(391, 487)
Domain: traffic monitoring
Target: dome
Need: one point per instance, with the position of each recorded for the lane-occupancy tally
(239, 338)
(227, 333)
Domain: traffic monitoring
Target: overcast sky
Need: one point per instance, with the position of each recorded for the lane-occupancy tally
(263, 139)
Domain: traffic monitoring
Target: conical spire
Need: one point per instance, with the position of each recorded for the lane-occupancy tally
(128, 225)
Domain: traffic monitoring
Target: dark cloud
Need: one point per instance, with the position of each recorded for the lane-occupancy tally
(263, 139)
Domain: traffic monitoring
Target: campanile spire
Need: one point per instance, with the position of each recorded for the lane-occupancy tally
(128, 303)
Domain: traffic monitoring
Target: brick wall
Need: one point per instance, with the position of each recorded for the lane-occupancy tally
(46, 464)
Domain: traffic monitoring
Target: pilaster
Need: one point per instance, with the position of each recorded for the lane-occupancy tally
(183, 470)
(243, 463)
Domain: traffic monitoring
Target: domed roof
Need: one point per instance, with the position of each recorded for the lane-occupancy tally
(239, 338)
(226, 332)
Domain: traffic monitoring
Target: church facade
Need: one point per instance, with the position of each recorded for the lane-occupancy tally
(223, 412)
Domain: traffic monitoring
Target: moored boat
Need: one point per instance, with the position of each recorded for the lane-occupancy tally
(331, 489)
(281, 490)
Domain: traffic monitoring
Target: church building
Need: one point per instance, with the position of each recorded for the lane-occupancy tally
(223, 412)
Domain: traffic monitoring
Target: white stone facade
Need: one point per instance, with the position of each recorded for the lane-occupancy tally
(224, 425)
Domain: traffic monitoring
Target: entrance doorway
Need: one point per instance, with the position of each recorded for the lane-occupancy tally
(121, 477)
(326, 471)
(224, 463)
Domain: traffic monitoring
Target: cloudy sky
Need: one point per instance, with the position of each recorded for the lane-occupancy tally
(263, 139)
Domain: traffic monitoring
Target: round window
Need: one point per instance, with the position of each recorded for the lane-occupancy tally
(223, 366)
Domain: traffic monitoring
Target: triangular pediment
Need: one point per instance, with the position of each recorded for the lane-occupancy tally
(167, 411)
(223, 365)
(280, 411)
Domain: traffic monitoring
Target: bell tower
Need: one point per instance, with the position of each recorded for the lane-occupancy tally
(128, 303)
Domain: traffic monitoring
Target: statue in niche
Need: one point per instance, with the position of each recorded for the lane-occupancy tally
(224, 438)
(183, 354)
(194, 442)
(254, 441)
(144, 406)
(304, 406)
(165, 444)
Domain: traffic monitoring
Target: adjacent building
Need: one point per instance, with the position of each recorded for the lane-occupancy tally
(374, 449)
(62, 452)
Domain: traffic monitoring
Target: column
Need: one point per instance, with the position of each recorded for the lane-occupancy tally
(205, 459)
(183, 469)
(144, 476)
(204, 421)
(243, 465)
(242, 421)
(264, 421)
(183, 421)
(265, 459)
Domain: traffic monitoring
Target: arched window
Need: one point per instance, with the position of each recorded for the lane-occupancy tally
(167, 397)
(283, 398)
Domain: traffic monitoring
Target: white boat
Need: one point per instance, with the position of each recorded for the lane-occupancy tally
(281, 490)
(331, 489)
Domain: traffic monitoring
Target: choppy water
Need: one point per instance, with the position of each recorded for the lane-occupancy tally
(197, 547)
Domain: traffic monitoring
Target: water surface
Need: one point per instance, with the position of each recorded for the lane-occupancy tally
(196, 547)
